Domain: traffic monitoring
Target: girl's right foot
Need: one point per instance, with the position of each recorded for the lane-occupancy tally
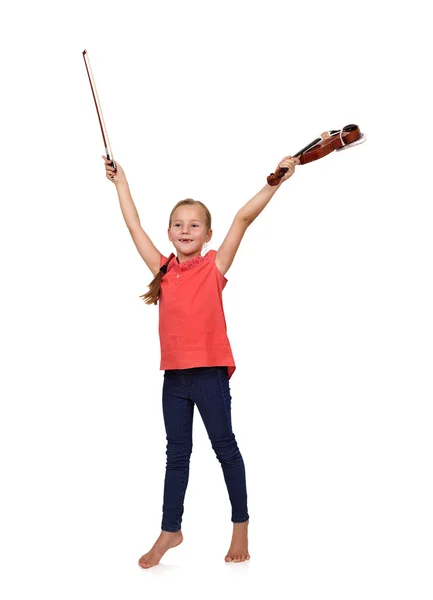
(166, 540)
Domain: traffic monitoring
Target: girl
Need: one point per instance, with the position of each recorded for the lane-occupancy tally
(195, 351)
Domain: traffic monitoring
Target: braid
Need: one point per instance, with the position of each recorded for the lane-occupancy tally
(154, 293)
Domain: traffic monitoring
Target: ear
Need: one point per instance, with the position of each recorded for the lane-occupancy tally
(209, 235)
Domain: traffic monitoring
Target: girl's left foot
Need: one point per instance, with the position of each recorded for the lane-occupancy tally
(238, 551)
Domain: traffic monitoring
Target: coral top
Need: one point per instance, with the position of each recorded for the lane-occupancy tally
(192, 325)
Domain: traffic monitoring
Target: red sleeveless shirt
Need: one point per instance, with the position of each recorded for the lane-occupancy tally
(192, 325)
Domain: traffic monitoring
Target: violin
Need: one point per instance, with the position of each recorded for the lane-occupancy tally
(337, 139)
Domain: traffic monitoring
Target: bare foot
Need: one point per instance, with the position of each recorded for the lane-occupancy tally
(238, 551)
(166, 540)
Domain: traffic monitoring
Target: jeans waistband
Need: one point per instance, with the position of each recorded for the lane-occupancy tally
(193, 370)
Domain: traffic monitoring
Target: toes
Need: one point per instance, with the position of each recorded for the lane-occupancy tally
(144, 563)
(237, 558)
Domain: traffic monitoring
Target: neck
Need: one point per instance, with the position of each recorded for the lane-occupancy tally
(184, 257)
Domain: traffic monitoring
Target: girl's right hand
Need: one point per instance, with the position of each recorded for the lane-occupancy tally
(117, 176)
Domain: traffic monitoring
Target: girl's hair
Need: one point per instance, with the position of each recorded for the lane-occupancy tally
(152, 296)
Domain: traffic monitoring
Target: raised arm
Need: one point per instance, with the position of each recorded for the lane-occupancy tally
(246, 215)
(143, 243)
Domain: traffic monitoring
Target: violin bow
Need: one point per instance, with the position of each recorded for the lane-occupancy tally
(99, 110)
(336, 139)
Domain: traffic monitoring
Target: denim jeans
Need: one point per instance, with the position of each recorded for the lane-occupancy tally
(208, 388)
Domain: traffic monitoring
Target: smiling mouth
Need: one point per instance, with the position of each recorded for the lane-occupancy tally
(185, 241)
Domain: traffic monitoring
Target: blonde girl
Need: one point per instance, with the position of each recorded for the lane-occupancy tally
(196, 355)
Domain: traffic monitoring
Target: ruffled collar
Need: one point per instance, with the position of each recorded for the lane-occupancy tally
(185, 265)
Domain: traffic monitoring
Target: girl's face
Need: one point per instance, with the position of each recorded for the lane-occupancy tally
(188, 230)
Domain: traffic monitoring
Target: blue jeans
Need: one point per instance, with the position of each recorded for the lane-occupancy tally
(208, 388)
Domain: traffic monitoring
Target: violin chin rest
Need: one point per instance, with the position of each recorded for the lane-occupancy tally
(360, 141)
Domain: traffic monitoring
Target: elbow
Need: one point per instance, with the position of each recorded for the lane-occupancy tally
(243, 217)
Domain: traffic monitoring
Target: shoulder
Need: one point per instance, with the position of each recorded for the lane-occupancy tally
(212, 256)
(163, 259)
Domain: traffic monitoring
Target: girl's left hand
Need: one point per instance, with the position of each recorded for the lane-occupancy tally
(289, 163)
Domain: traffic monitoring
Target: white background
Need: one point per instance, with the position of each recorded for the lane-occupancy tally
(328, 302)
